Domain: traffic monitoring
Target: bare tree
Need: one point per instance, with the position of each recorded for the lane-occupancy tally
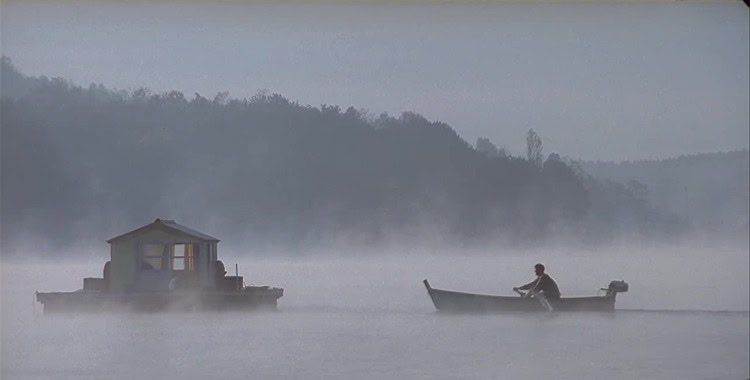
(534, 148)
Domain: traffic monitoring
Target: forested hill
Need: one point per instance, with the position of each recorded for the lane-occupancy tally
(708, 191)
(87, 163)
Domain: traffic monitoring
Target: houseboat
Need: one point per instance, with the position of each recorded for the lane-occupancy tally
(163, 266)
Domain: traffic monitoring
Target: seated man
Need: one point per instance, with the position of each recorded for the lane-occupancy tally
(544, 283)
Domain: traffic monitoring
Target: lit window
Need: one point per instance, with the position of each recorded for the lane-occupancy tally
(183, 257)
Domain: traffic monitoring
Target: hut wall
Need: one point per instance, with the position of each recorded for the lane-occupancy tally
(206, 263)
(124, 265)
(125, 258)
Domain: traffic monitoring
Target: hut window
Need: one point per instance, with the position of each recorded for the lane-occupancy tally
(152, 256)
(183, 257)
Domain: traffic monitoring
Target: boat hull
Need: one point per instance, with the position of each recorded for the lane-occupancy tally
(446, 300)
(260, 298)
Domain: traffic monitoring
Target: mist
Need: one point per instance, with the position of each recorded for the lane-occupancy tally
(688, 275)
(269, 173)
(355, 313)
(324, 125)
(346, 151)
(613, 82)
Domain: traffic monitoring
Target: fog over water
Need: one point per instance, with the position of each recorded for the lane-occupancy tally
(369, 317)
(349, 210)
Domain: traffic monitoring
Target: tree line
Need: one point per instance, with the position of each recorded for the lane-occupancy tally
(87, 163)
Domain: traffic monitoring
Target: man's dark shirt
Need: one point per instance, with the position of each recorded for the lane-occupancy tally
(546, 284)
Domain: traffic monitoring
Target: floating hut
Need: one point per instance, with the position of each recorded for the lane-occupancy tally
(163, 266)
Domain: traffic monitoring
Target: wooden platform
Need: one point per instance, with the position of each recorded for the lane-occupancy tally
(249, 298)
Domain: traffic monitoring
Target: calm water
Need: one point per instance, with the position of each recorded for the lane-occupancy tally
(357, 344)
(369, 318)
(616, 71)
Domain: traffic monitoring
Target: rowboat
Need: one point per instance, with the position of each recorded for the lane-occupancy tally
(452, 301)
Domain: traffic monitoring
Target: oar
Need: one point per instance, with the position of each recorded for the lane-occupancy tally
(542, 299)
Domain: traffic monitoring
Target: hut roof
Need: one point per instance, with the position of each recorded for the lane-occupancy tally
(170, 225)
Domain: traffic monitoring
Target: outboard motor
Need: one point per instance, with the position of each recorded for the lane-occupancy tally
(617, 287)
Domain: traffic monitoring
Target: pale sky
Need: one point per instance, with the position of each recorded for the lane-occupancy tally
(597, 81)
